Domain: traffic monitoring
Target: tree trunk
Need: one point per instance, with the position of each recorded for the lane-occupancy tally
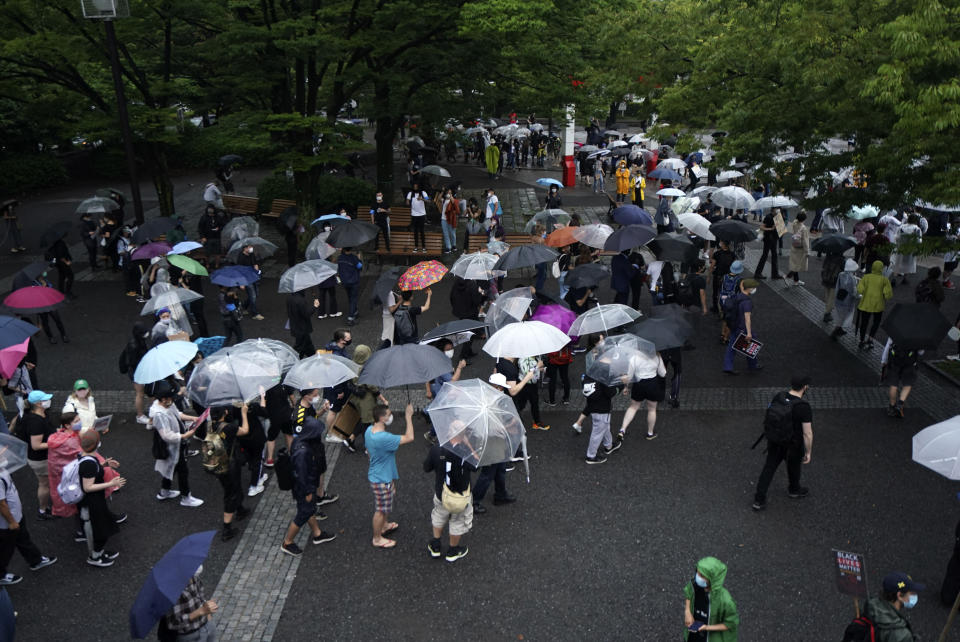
(160, 173)
(384, 137)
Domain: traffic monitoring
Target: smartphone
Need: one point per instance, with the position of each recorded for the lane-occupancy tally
(696, 626)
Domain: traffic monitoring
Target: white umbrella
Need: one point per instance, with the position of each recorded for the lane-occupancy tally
(306, 275)
(618, 143)
(729, 174)
(703, 189)
(537, 127)
(696, 224)
(672, 163)
(321, 371)
(475, 267)
(525, 339)
(509, 307)
(732, 197)
(602, 318)
(685, 204)
(599, 153)
(861, 212)
(319, 248)
(671, 191)
(171, 297)
(611, 133)
(636, 139)
(769, 202)
(938, 448)
(475, 130)
(435, 170)
(594, 235)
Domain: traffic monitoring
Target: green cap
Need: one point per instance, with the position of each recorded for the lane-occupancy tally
(80, 384)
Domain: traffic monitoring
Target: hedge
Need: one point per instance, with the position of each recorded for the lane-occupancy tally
(30, 172)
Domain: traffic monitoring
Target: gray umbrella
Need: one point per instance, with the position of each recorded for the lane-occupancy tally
(238, 228)
(321, 371)
(97, 205)
(319, 248)
(306, 275)
(261, 247)
(403, 365)
(525, 256)
(231, 375)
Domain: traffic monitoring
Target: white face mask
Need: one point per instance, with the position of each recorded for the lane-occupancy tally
(379, 199)
(449, 353)
(316, 402)
(199, 570)
(45, 404)
(82, 393)
(388, 420)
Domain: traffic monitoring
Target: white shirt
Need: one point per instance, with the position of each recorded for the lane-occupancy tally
(893, 226)
(418, 206)
(654, 268)
(492, 203)
(212, 194)
(645, 367)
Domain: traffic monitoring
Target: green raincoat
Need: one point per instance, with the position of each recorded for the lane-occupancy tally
(875, 289)
(723, 610)
(890, 623)
(492, 157)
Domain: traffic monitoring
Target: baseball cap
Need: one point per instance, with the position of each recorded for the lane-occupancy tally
(498, 379)
(736, 267)
(36, 396)
(749, 284)
(901, 582)
(81, 384)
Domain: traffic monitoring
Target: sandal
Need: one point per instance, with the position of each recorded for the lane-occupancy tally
(387, 543)
(390, 529)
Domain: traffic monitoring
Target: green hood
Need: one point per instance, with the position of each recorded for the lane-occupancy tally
(713, 570)
(891, 623)
(876, 268)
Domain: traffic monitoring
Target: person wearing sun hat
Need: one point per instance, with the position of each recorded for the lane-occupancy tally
(36, 428)
(81, 402)
(898, 594)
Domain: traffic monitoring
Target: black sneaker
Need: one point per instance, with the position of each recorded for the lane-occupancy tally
(79, 536)
(327, 499)
(651, 435)
(892, 411)
(759, 506)
(435, 548)
(596, 459)
(44, 562)
(44, 514)
(119, 518)
(323, 537)
(110, 555)
(291, 549)
(500, 501)
(613, 448)
(456, 552)
(479, 509)
(320, 515)
(101, 561)
(348, 444)
(552, 404)
(899, 408)
(9, 579)
(430, 438)
(674, 402)
(228, 532)
(800, 493)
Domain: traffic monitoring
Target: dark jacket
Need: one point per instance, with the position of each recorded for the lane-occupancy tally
(465, 298)
(832, 267)
(306, 466)
(600, 401)
(136, 347)
(348, 268)
(437, 462)
(622, 272)
(207, 224)
(299, 312)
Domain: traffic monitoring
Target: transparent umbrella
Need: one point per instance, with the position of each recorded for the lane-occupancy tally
(615, 360)
(172, 296)
(321, 371)
(732, 197)
(97, 205)
(478, 423)
(272, 348)
(475, 267)
(239, 228)
(696, 224)
(231, 376)
(13, 453)
(509, 307)
(261, 247)
(594, 235)
(938, 448)
(319, 248)
(602, 318)
(306, 275)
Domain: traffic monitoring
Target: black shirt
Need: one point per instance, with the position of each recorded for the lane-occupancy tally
(509, 369)
(34, 424)
(802, 413)
(700, 607)
(722, 260)
(301, 413)
(228, 433)
(449, 469)
(90, 468)
(769, 236)
(600, 401)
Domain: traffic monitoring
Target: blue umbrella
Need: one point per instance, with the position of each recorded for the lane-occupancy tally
(185, 246)
(696, 157)
(209, 345)
(547, 182)
(8, 617)
(166, 581)
(330, 217)
(235, 275)
(665, 174)
(163, 360)
(14, 331)
(632, 215)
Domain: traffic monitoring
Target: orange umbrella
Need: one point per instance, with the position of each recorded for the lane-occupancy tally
(561, 237)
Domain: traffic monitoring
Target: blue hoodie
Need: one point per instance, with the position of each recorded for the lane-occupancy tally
(306, 470)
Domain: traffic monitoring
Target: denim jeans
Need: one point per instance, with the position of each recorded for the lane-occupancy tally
(252, 299)
(731, 353)
(352, 292)
(497, 473)
(449, 235)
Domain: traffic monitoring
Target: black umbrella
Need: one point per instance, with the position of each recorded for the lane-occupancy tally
(622, 150)
(384, 285)
(352, 234)
(672, 246)
(663, 333)
(288, 219)
(586, 276)
(525, 256)
(230, 159)
(833, 244)
(153, 228)
(629, 237)
(733, 231)
(916, 326)
(55, 232)
(676, 314)
(28, 275)
(403, 365)
(451, 328)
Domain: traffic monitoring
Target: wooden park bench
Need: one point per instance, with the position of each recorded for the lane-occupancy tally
(277, 206)
(401, 244)
(240, 205)
(399, 217)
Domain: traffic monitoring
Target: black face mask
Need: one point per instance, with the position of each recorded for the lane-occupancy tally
(347, 342)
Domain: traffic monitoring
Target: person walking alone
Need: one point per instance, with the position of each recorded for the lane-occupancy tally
(797, 446)
(799, 249)
(874, 290)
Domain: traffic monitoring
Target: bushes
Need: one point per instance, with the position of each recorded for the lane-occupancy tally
(30, 172)
(202, 148)
(273, 187)
(333, 192)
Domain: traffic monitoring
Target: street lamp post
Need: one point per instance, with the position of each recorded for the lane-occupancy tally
(108, 10)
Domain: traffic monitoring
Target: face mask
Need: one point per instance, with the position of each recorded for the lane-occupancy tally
(316, 402)
(700, 581)
(379, 199)
(45, 404)
(82, 393)
(388, 420)
(449, 353)
(347, 342)
(911, 601)
(199, 570)
(752, 291)
(76, 425)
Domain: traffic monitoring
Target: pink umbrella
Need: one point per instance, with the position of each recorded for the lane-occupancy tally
(11, 357)
(150, 250)
(556, 315)
(33, 299)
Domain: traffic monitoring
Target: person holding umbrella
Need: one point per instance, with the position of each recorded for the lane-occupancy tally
(382, 473)
(349, 266)
(209, 228)
(230, 432)
(451, 491)
(899, 373)
(249, 258)
(770, 240)
(189, 619)
(299, 313)
(405, 318)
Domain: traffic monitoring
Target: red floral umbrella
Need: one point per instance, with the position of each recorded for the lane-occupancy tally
(422, 275)
(33, 299)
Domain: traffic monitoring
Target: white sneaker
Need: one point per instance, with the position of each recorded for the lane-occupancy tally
(332, 439)
(143, 419)
(953, 357)
(255, 490)
(336, 314)
(167, 494)
(577, 429)
(263, 479)
(799, 283)
(190, 501)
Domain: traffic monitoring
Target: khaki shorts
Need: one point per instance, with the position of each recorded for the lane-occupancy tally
(39, 468)
(460, 523)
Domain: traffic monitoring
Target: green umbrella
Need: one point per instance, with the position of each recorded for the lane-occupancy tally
(187, 264)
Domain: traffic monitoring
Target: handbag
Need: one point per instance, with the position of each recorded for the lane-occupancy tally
(455, 502)
(555, 269)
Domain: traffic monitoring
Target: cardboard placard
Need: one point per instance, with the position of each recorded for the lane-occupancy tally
(851, 573)
(749, 348)
(102, 424)
(778, 223)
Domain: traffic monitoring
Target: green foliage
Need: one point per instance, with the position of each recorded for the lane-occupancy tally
(30, 172)
(202, 147)
(334, 192)
(274, 187)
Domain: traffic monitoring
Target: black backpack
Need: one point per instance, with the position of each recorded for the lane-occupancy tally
(159, 448)
(778, 420)
(924, 292)
(403, 329)
(860, 630)
(900, 358)
(685, 294)
(283, 468)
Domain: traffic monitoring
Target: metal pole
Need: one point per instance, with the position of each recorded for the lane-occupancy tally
(124, 122)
